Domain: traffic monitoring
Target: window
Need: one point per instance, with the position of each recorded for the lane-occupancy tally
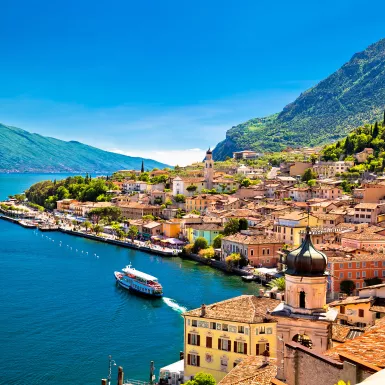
(213, 325)
(361, 312)
(251, 252)
(342, 309)
(193, 360)
(225, 327)
(349, 265)
(241, 329)
(357, 274)
(194, 323)
(209, 342)
(341, 275)
(383, 263)
(262, 330)
(383, 273)
(349, 275)
(261, 347)
(193, 339)
(363, 274)
(224, 344)
(240, 347)
(263, 251)
(376, 273)
(268, 251)
(357, 264)
(302, 301)
(341, 265)
(363, 264)
(357, 285)
(375, 264)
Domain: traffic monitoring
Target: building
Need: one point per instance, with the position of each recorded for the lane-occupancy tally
(187, 186)
(172, 228)
(369, 213)
(210, 202)
(130, 186)
(299, 168)
(363, 155)
(207, 231)
(246, 154)
(136, 210)
(259, 250)
(219, 336)
(290, 226)
(330, 169)
(209, 169)
(369, 193)
(64, 205)
(303, 317)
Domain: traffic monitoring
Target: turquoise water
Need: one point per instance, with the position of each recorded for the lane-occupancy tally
(62, 314)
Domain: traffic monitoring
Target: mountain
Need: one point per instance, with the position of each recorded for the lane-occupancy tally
(351, 96)
(21, 151)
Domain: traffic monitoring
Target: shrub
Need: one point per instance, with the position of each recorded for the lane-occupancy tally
(199, 244)
(207, 253)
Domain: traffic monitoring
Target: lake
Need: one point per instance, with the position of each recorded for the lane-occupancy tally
(62, 313)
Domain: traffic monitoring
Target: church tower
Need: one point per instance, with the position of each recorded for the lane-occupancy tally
(304, 317)
(209, 169)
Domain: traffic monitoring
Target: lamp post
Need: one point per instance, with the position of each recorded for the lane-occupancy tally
(111, 363)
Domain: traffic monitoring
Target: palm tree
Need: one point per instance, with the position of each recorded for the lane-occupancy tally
(132, 232)
(278, 283)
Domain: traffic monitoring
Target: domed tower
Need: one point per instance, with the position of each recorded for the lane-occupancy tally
(303, 317)
(209, 169)
(306, 280)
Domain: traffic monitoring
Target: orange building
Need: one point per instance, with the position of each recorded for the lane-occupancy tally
(260, 250)
(171, 229)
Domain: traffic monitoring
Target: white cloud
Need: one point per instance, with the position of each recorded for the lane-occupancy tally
(171, 157)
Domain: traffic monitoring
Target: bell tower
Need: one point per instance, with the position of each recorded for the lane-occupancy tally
(304, 317)
(209, 169)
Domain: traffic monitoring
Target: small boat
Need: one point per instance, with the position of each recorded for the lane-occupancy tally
(138, 282)
(249, 278)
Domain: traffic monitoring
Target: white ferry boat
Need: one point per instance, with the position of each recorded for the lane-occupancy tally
(135, 280)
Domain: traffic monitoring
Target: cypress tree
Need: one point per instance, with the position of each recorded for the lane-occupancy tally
(375, 130)
(142, 169)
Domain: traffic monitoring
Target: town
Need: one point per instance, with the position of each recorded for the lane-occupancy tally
(318, 248)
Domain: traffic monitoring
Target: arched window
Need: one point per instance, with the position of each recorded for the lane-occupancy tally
(304, 340)
(302, 299)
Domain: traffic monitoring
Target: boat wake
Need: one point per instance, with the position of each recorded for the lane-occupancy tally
(174, 305)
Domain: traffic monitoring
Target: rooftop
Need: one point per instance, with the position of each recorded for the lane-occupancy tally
(252, 239)
(245, 309)
(252, 370)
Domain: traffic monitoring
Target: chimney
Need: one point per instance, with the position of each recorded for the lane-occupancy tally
(203, 310)
(120, 375)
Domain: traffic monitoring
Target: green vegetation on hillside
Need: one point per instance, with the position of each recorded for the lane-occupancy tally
(352, 96)
(22, 151)
(47, 193)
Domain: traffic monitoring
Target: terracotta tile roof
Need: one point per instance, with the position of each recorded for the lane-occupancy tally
(327, 217)
(369, 347)
(364, 236)
(206, 226)
(357, 258)
(378, 305)
(294, 216)
(252, 239)
(350, 301)
(342, 333)
(245, 308)
(251, 371)
(371, 206)
(192, 180)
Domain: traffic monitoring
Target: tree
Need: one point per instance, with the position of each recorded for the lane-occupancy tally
(245, 182)
(87, 225)
(191, 188)
(347, 286)
(97, 229)
(313, 158)
(168, 202)
(207, 253)
(308, 175)
(233, 259)
(202, 379)
(142, 168)
(217, 242)
(180, 198)
(231, 227)
(375, 130)
(109, 214)
(372, 281)
(148, 217)
(277, 282)
(243, 224)
(199, 244)
(132, 232)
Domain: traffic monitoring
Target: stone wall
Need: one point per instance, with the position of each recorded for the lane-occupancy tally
(305, 367)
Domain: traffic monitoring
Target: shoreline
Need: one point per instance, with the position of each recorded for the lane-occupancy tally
(218, 265)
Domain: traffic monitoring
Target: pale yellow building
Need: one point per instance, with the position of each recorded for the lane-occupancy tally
(219, 336)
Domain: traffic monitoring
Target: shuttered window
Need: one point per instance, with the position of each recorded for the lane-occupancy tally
(194, 339)
(240, 347)
(193, 360)
(224, 344)
(260, 348)
(209, 342)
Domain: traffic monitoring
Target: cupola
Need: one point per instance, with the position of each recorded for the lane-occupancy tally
(306, 260)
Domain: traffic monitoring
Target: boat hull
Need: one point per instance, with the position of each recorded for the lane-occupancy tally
(126, 286)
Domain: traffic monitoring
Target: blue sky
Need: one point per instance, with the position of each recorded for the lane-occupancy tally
(165, 79)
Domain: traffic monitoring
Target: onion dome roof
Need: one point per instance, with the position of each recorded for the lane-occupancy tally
(306, 260)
